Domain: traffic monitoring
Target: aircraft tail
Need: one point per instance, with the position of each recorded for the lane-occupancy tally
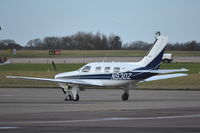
(154, 57)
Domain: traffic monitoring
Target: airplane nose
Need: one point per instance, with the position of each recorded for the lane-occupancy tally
(61, 75)
(65, 75)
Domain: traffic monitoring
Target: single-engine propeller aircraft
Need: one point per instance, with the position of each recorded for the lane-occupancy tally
(114, 74)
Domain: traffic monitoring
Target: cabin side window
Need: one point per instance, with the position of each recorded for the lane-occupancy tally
(98, 69)
(123, 69)
(86, 69)
(107, 69)
(116, 70)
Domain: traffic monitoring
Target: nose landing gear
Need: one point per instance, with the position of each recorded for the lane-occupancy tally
(69, 97)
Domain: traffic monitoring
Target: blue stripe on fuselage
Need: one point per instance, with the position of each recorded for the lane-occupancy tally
(114, 76)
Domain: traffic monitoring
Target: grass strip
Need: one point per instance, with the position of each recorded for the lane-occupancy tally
(191, 82)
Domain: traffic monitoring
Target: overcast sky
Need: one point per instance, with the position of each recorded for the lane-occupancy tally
(23, 20)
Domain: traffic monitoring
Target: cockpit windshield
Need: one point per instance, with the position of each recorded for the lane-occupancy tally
(86, 69)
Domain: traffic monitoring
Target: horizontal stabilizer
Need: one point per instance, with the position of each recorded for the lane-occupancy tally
(96, 83)
(159, 77)
(161, 71)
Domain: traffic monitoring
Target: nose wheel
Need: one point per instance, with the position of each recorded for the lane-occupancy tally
(70, 98)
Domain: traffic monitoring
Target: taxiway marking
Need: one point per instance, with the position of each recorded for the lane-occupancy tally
(104, 119)
(8, 127)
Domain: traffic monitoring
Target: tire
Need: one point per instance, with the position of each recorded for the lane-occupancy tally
(77, 98)
(68, 98)
(125, 96)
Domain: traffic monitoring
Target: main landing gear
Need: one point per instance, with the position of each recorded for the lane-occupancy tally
(125, 95)
(71, 93)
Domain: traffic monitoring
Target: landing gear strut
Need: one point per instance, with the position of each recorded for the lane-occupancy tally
(77, 98)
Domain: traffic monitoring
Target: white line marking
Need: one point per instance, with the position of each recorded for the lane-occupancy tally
(6, 95)
(8, 127)
(105, 119)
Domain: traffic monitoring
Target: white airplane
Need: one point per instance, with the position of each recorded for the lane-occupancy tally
(114, 74)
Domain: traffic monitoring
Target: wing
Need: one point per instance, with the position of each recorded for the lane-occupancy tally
(5, 63)
(159, 77)
(94, 83)
(161, 71)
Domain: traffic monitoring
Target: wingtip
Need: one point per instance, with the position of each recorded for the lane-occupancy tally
(184, 69)
(8, 77)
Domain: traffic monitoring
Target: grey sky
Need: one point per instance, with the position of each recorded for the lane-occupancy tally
(23, 20)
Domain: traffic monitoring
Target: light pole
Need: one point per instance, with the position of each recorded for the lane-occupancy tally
(0, 29)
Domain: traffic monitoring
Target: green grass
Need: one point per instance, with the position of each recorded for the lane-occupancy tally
(193, 67)
(40, 67)
(92, 53)
(46, 70)
(192, 81)
(32, 70)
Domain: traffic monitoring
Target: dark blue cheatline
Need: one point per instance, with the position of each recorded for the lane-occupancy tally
(134, 76)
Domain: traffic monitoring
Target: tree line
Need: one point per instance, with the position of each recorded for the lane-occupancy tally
(80, 41)
(90, 41)
(140, 45)
(9, 44)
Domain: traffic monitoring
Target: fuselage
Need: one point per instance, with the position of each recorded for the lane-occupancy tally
(107, 73)
(118, 73)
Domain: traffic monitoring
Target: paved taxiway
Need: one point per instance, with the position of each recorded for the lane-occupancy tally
(44, 110)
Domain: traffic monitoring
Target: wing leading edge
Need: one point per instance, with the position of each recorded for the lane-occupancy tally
(95, 83)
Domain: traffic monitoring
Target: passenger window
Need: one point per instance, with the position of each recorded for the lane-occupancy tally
(86, 69)
(123, 69)
(98, 69)
(107, 69)
(116, 70)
